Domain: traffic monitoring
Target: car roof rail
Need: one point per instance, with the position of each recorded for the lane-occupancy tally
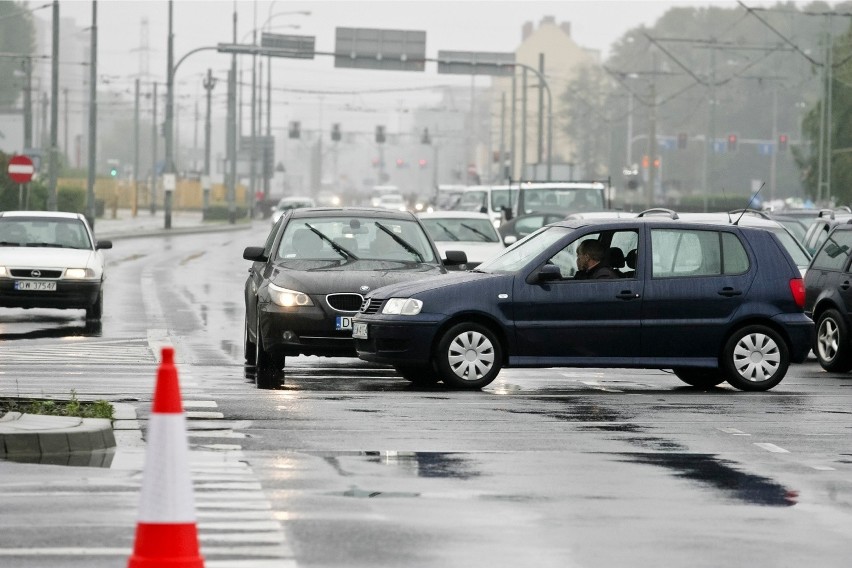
(757, 212)
(656, 210)
(826, 213)
(843, 208)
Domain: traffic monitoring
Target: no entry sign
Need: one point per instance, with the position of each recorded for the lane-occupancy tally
(20, 169)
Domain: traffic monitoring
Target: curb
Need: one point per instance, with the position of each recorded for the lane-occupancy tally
(63, 440)
(160, 232)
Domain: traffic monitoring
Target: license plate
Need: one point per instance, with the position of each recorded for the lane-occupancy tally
(343, 322)
(36, 285)
(359, 331)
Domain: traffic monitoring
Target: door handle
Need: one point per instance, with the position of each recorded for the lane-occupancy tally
(729, 292)
(627, 295)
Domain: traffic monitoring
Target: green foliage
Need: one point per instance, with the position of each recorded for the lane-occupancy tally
(17, 35)
(71, 407)
(220, 213)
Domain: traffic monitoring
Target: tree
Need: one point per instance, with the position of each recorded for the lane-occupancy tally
(584, 118)
(17, 36)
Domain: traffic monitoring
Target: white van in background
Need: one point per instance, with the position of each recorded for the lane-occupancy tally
(490, 199)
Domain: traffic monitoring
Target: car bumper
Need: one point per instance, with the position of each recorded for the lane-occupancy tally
(800, 330)
(68, 295)
(304, 331)
(396, 343)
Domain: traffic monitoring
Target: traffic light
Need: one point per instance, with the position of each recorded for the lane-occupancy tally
(425, 138)
(422, 162)
(380, 134)
(400, 163)
(732, 142)
(113, 171)
(682, 139)
(335, 132)
(783, 142)
(295, 129)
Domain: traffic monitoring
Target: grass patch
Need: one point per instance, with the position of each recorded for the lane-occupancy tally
(71, 407)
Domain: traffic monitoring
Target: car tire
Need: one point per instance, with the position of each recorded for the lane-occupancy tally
(832, 347)
(700, 377)
(96, 310)
(249, 347)
(755, 358)
(423, 376)
(267, 373)
(468, 356)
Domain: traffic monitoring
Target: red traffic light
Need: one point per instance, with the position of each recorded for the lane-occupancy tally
(783, 142)
(732, 142)
(422, 162)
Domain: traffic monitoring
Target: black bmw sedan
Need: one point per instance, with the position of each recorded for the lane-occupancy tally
(309, 279)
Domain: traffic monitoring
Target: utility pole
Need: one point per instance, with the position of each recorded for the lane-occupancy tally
(169, 133)
(540, 154)
(65, 151)
(652, 136)
(154, 135)
(135, 207)
(208, 84)
(54, 110)
(93, 118)
(232, 132)
(28, 103)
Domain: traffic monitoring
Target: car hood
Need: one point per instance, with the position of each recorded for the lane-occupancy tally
(409, 289)
(476, 252)
(46, 257)
(360, 281)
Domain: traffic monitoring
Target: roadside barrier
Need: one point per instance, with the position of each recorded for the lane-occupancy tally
(166, 532)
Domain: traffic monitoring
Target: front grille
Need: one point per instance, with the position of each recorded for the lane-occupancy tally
(28, 273)
(345, 302)
(371, 306)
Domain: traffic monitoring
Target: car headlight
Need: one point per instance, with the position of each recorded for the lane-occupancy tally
(288, 298)
(3, 273)
(79, 273)
(403, 306)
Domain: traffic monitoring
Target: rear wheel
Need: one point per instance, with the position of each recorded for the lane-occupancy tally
(267, 372)
(755, 358)
(468, 356)
(96, 310)
(423, 376)
(832, 343)
(701, 378)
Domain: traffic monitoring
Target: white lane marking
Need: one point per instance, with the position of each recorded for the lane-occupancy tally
(822, 468)
(200, 404)
(204, 415)
(733, 431)
(771, 448)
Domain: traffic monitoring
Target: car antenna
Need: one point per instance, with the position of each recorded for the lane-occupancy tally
(756, 193)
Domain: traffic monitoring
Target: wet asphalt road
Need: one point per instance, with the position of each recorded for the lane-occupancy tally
(348, 465)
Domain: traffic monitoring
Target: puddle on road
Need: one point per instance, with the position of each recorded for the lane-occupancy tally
(720, 474)
(421, 464)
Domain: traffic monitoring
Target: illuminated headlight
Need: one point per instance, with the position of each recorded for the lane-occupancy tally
(3, 272)
(496, 223)
(79, 273)
(288, 298)
(403, 306)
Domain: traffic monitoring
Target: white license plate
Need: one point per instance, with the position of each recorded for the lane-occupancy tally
(343, 322)
(36, 285)
(359, 331)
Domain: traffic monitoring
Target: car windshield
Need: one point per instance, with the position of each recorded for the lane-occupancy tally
(43, 232)
(460, 229)
(473, 200)
(519, 254)
(355, 238)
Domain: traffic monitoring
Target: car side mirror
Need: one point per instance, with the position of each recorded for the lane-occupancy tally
(455, 258)
(103, 245)
(549, 273)
(254, 254)
(510, 240)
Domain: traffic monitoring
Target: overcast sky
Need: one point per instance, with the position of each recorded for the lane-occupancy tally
(449, 25)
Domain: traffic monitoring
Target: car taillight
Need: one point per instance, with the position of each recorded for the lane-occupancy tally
(797, 288)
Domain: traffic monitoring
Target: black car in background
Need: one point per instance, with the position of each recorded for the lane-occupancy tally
(310, 277)
(828, 299)
(713, 302)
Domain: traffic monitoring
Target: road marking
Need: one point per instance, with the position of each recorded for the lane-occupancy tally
(733, 431)
(822, 468)
(771, 448)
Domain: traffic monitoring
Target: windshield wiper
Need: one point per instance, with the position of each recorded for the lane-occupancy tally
(337, 247)
(446, 230)
(402, 242)
(476, 231)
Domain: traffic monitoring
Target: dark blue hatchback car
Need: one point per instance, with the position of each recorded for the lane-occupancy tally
(713, 303)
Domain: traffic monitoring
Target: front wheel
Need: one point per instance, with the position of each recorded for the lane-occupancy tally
(268, 370)
(832, 343)
(468, 356)
(698, 377)
(96, 310)
(249, 347)
(755, 358)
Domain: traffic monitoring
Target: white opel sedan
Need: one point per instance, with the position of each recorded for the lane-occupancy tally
(466, 231)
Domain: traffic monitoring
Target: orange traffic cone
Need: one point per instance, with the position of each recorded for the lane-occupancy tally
(166, 534)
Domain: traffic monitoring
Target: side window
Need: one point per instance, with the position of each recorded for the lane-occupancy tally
(734, 256)
(834, 253)
(684, 252)
(620, 243)
(566, 259)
